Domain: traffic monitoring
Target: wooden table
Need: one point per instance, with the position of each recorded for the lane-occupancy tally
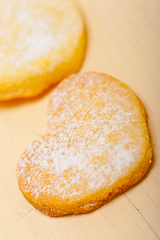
(123, 41)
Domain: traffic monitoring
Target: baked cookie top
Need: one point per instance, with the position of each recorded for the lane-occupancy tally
(97, 144)
(40, 43)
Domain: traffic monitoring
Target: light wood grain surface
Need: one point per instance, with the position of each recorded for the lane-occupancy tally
(123, 41)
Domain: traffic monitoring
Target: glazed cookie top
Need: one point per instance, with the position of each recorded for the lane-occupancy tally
(97, 133)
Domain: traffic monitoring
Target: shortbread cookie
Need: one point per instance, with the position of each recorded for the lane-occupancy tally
(41, 42)
(97, 145)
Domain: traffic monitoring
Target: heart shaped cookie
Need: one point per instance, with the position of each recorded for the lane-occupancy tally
(97, 145)
(41, 42)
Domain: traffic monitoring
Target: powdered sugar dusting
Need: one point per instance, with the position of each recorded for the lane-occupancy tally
(31, 30)
(91, 142)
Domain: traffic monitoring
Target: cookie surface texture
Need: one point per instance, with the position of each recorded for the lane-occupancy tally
(41, 42)
(97, 145)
